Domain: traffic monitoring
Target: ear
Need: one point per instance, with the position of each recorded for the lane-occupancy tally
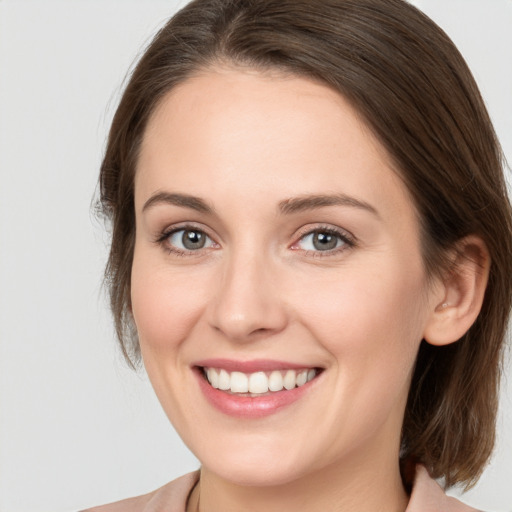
(458, 300)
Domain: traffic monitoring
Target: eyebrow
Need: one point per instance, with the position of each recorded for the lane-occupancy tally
(184, 200)
(287, 206)
(312, 202)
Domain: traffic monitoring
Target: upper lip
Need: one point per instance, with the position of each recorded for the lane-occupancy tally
(252, 366)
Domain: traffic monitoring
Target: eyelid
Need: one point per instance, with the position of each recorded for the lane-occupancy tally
(348, 238)
(163, 236)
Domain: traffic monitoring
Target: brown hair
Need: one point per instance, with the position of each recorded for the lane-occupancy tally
(409, 82)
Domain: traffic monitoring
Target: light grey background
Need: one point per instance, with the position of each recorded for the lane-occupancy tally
(77, 427)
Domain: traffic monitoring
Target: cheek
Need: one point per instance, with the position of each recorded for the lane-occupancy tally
(371, 322)
(165, 304)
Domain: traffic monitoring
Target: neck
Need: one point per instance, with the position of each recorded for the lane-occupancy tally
(359, 488)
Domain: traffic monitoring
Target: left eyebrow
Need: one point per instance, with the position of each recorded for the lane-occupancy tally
(313, 202)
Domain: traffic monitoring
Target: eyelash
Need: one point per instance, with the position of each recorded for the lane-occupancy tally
(348, 241)
(163, 240)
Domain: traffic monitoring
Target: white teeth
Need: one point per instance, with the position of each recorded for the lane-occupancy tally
(275, 381)
(290, 379)
(258, 382)
(239, 382)
(224, 380)
(302, 378)
(213, 377)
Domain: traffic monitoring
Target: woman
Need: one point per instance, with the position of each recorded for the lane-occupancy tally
(310, 252)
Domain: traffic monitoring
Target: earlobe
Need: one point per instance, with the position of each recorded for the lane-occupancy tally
(462, 293)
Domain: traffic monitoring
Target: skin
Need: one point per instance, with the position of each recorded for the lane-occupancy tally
(245, 142)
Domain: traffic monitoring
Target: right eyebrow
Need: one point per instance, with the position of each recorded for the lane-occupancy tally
(184, 200)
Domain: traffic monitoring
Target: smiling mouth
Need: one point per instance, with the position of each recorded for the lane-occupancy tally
(258, 383)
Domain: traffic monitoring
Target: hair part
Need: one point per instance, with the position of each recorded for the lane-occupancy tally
(415, 92)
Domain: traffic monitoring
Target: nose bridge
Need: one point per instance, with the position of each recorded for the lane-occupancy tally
(247, 301)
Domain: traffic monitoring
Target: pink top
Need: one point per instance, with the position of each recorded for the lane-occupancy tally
(427, 496)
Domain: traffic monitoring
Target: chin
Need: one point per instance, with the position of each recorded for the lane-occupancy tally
(268, 462)
(256, 474)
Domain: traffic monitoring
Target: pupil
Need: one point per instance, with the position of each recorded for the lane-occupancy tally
(324, 241)
(193, 240)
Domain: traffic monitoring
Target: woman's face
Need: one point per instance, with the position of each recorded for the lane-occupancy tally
(275, 246)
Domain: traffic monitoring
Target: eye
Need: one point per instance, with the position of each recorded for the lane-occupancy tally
(323, 240)
(183, 240)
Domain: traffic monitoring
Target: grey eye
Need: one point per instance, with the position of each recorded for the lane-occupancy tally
(324, 241)
(189, 239)
(321, 241)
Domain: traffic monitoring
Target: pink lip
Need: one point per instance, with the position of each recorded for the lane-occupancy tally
(248, 407)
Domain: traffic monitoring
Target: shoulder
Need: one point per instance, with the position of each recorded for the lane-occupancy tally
(428, 496)
(172, 497)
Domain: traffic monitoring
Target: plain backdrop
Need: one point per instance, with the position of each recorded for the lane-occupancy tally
(77, 427)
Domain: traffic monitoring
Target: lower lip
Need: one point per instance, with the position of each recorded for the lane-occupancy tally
(242, 406)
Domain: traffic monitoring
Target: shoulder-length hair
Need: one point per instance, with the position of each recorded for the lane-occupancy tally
(411, 85)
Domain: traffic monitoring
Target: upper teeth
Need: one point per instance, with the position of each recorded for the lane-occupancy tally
(259, 382)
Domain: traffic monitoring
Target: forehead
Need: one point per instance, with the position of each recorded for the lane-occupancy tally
(247, 102)
(227, 127)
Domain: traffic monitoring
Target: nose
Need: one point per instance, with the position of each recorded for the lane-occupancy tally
(248, 303)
